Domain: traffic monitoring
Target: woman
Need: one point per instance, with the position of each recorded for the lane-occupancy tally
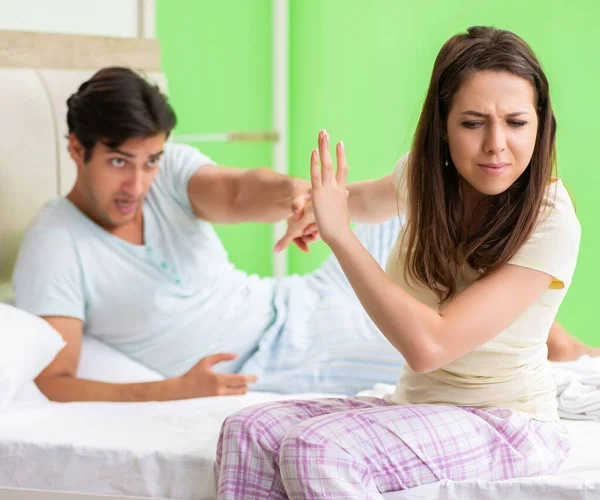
(470, 291)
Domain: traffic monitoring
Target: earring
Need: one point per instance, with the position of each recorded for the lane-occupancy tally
(446, 152)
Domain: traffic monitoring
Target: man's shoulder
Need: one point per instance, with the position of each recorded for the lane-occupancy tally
(47, 274)
(57, 216)
(178, 164)
(177, 156)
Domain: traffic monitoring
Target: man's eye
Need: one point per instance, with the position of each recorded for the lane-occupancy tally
(118, 162)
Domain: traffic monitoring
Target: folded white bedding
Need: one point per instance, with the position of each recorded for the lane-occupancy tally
(578, 388)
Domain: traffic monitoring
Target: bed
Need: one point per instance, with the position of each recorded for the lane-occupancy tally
(134, 450)
(167, 450)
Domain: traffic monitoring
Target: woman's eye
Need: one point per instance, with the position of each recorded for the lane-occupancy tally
(516, 123)
(472, 124)
(117, 162)
(153, 163)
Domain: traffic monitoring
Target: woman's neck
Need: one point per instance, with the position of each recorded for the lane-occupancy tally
(472, 201)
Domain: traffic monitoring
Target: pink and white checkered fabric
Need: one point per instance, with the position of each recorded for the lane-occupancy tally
(362, 447)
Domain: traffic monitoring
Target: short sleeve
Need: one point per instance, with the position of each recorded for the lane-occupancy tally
(399, 175)
(178, 164)
(553, 247)
(47, 278)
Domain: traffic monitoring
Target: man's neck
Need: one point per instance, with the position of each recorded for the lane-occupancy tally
(131, 232)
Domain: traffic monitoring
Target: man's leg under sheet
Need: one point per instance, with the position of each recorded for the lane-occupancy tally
(326, 342)
(378, 239)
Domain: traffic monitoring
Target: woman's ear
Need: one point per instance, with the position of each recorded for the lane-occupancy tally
(445, 133)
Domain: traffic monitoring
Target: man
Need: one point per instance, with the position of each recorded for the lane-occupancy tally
(130, 257)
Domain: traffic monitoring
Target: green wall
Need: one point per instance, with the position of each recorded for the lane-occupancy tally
(360, 69)
(217, 58)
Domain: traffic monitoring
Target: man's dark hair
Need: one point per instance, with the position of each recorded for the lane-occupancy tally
(115, 105)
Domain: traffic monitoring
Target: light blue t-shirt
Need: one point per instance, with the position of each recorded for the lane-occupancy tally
(166, 303)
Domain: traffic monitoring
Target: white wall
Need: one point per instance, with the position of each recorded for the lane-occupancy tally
(84, 17)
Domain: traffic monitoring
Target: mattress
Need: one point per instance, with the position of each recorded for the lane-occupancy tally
(156, 449)
(167, 450)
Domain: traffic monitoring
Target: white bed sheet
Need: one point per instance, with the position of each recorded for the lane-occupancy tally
(167, 450)
(163, 450)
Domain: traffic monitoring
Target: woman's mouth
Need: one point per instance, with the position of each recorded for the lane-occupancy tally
(494, 168)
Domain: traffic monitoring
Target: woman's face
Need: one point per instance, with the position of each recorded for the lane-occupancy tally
(492, 128)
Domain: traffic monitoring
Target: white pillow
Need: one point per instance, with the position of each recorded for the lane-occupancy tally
(100, 361)
(27, 345)
(31, 395)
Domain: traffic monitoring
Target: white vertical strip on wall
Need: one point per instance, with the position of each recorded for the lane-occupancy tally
(146, 18)
(280, 108)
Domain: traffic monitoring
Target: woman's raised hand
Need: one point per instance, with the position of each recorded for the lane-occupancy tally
(329, 193)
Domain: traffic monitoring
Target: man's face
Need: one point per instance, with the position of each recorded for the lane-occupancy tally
(112, 185)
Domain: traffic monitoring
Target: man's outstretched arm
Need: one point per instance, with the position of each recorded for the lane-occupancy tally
(226, 195)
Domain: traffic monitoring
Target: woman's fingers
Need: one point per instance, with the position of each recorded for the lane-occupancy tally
(315, 171)
(324, 174)
(342, 167)
(326, 161)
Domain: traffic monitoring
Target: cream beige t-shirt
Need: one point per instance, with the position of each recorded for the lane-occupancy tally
(512, 370)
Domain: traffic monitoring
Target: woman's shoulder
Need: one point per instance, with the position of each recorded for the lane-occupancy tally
(400, 173)
(559, 202)
(557, 223)
(553, 246)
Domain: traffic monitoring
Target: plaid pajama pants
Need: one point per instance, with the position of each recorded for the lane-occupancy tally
(362, 447)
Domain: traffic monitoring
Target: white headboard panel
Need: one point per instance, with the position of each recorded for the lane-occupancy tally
(28, 151)
(60, 84)
(34, 87)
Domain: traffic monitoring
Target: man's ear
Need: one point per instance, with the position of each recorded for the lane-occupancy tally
(76, 150)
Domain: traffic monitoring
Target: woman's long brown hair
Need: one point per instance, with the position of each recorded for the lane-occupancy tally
(438, 245)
